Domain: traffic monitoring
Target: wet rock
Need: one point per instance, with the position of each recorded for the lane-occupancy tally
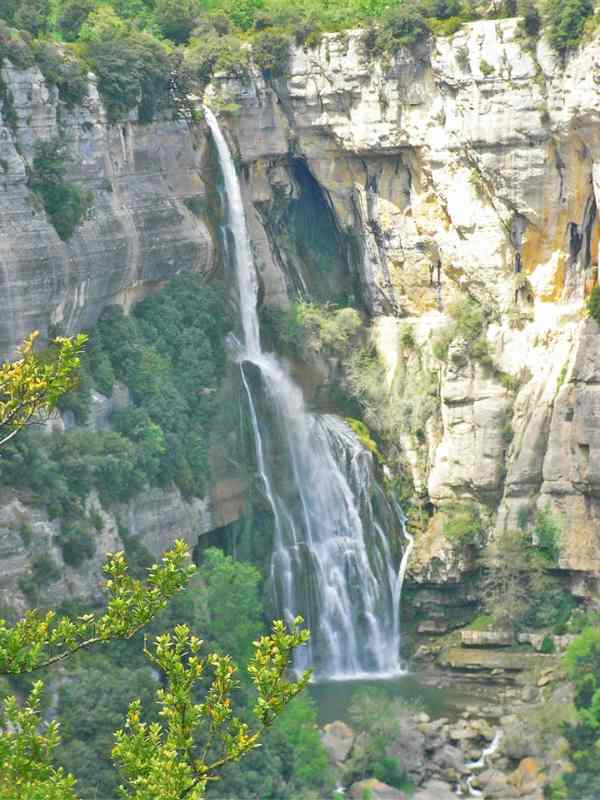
(463, 730)
(494, 783)
(450, 757)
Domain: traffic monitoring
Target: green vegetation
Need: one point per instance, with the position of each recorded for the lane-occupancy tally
(223, 601)
(519, 594)
(463, 523)
(159, 760)
(271, 52)
(307, 327)
(469, 325)
(593, 304)
(364, 436)
(170, 354)
(582, 663)
(32, 385)
(65, 204)
(397, 26)
(197, 705)
(545, 534)
(383, 724)
(233, 602)
(565, 20)
(407, 335)
(149, 54)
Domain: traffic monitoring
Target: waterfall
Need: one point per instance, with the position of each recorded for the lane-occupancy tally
(332, 561)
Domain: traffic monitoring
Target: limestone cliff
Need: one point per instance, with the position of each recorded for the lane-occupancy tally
(150, 185)
(468, 167)
(138, 234)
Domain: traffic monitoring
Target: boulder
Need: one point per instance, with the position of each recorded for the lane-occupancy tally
(375, 790)
(337, 739)
(462, 730)
(494, 784)
(432, 626)
(471, 638)
(527, 778)
(450, 757)
(435, 790)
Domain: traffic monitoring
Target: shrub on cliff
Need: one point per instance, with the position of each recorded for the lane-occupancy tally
(468, 324)
(593, 304)
(176, 19)
(463, 523)
(14, 49)
(65, 204)
(73, 15)
(133, 68)
(210, 52)
(565, 20)
(271, 52)
(66, 73)
(400, 26)
(545, 534)
(531, 22)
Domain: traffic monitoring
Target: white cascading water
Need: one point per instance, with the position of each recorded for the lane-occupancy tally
(332, 562)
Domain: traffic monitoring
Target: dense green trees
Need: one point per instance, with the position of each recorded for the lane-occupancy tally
(566, 20)
(170, 354)
(233, 603)
(223, 601)
(519, 592)
(176, 753)
(151, 54)
(188, 715)
(176, 19)
(582, 662)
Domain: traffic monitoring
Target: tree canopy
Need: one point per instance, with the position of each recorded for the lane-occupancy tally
(184, 748)
(32, 384)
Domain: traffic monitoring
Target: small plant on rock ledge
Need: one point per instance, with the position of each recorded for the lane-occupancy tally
(593, 304)
(463, 523)
(486, 69)
(65, 204)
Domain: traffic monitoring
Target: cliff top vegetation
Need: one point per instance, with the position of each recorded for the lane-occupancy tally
(150, 54)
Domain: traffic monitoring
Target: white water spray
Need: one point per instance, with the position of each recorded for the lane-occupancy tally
(332, 562)
(482, 762)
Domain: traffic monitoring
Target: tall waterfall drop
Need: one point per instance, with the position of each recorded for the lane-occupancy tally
(331, 560)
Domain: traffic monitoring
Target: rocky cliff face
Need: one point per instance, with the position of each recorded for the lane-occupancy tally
(151, 185)
(139, 232)
(468, 167)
